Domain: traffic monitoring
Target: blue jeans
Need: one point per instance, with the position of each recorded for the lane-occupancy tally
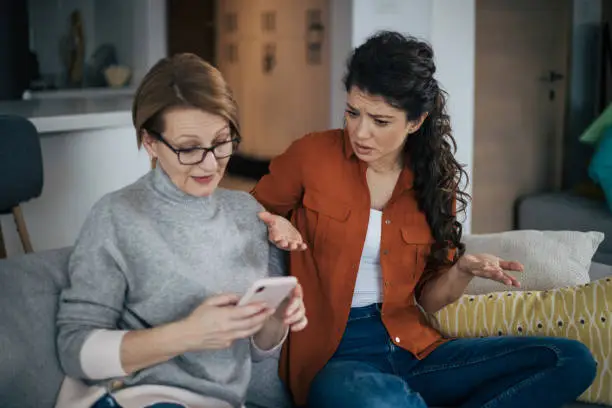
(368, 370)
(107, 401)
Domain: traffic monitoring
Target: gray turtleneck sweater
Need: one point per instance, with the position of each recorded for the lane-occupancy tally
(147, 255)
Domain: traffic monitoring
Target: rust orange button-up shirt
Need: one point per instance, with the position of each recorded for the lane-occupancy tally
(321, 185)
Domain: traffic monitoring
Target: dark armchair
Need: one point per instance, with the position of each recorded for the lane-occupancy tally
(21, 172)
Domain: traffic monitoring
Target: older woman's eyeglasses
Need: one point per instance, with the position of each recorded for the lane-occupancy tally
(196, 155)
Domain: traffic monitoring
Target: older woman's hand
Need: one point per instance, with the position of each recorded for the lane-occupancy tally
(218, 322)
(282, 233)
(490, 267)
(290, 315)
(292, 312)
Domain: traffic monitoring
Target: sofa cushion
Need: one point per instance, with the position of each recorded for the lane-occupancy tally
(594, 132)
(582, 313)
(552, 259)
(30, 374)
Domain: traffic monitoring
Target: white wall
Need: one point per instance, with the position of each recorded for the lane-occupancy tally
(150, 40)
(450, 28)
(453, 37)
(412, 17)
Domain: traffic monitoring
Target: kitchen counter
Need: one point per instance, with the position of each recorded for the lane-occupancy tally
(73, 114)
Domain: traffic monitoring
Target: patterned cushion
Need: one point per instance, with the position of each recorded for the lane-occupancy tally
(581, 313)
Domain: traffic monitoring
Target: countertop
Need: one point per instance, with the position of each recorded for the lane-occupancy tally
(64, 114)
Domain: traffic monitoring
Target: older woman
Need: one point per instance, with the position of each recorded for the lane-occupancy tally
(150, 316)
(375, 202)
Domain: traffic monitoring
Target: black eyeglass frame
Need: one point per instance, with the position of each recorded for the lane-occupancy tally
(235, 141)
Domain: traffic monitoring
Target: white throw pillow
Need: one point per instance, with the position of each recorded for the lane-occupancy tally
(552, 259)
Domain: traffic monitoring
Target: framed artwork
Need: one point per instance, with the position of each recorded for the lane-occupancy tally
(315, 34)
(231, 22)
(269, 57)
(268, 21)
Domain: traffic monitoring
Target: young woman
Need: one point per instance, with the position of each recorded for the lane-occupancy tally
(376, 204)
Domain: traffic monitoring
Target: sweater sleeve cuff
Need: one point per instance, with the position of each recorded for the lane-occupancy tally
(101, 355)
(258, 354)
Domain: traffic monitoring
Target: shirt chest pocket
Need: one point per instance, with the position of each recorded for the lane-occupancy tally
(326, 220)
(416, 246)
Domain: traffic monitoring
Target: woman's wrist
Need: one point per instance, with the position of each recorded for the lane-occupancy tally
(144, 348)
(461, 277)
(461, 271)
(185, 337)
(271, 334)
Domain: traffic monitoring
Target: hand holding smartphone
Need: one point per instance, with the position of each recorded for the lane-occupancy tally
(271, 291)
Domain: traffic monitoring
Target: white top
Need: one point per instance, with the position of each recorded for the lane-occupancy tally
(368, 286)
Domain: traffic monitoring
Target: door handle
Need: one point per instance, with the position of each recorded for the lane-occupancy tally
(552, 76)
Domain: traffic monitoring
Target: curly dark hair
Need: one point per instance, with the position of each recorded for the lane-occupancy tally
(400, 69)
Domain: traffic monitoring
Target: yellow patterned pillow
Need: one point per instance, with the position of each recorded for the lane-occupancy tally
(581, 313)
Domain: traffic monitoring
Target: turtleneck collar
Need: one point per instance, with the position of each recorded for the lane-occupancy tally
(163, 185)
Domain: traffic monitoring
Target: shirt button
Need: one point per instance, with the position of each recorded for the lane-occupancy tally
(397, 339)
(387, 221)
(385, 252)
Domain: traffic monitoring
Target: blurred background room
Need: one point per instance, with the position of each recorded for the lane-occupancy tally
(526, 80)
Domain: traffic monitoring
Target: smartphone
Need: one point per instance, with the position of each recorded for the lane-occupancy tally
(271, 291)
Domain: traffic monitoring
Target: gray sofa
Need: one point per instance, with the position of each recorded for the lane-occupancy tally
(30, 375)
